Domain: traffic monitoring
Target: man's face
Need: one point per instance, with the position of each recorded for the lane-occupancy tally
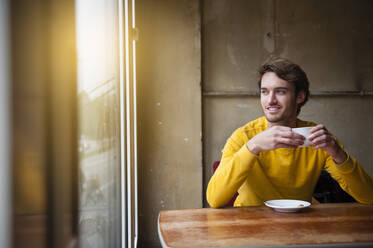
(278, 100)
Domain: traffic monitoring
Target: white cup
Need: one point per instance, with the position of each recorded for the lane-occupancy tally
(305, 131)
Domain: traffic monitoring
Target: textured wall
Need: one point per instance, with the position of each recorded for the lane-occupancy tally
(331, 40)
(169, 111)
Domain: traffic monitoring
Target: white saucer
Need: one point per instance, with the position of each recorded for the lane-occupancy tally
(287, 206)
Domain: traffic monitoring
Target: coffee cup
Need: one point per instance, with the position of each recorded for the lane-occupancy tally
(304, 131)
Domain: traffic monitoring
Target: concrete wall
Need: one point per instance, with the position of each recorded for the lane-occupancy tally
(331, 40)
(169, 111)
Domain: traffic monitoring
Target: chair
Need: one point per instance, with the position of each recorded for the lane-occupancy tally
(327, 190)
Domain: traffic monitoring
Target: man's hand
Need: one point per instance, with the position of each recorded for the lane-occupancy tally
(273, 138)
(321, 138)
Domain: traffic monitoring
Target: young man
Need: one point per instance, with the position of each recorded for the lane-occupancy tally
(263, 161)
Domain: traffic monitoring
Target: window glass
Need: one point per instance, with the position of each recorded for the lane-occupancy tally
(99, 123)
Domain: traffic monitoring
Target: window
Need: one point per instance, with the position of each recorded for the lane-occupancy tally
(107, 120)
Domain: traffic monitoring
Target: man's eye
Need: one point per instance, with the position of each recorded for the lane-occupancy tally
(282, 92)
(263, 92)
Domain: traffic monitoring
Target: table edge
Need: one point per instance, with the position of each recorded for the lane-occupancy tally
(160, 233)
(342, 245)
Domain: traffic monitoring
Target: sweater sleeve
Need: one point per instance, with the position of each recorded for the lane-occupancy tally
(232, 171)
(352, 178)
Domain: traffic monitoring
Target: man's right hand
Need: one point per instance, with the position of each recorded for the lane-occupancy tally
(273, 138)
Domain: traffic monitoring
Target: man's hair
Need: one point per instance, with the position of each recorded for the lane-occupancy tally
(288, 71)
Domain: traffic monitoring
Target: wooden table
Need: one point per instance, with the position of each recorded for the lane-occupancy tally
(321, 225)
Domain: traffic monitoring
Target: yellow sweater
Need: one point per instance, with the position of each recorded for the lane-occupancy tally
(284, 173)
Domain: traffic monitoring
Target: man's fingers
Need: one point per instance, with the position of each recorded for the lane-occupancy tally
(318, 140)
(289, 141)
(297, 136)
(323, 141)
(317, 128)
(317, 134)
(292, 135)
(286, 145)
(286, 134)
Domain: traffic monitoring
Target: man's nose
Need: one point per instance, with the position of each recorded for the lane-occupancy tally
(272, 98)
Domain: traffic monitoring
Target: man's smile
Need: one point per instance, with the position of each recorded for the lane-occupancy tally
(273, 109)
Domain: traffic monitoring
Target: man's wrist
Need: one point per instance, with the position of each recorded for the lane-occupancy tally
(253, 148)
(339, 156)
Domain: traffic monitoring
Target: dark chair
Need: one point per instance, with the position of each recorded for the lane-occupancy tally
(327, 190)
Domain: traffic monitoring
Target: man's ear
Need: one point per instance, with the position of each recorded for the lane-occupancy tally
(301, 96)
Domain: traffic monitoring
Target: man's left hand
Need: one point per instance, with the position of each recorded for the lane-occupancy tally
(321, 138)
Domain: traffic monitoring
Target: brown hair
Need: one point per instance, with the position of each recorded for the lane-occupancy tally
(288, 71)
